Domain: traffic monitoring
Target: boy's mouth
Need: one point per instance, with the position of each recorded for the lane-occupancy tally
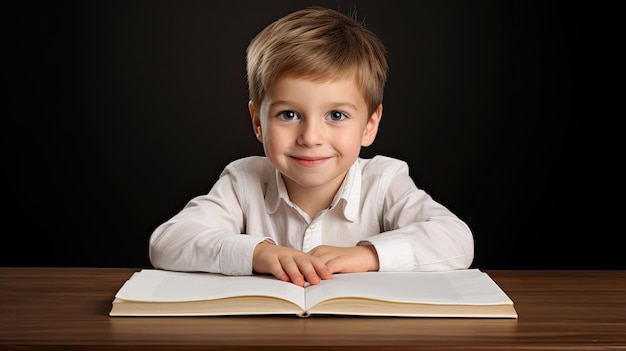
(310, 161)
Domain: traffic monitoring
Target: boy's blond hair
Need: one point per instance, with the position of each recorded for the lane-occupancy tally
(319, 44)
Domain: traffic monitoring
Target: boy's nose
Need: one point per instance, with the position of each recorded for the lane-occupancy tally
(311, 133)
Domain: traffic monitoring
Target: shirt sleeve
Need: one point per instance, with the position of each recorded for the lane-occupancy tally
(418, 233)
(206, 235)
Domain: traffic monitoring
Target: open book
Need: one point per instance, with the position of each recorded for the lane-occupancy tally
(457, 293)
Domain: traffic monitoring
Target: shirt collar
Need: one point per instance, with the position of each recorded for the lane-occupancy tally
(348, 196)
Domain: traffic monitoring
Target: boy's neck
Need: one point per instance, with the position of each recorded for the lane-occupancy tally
(312, 200)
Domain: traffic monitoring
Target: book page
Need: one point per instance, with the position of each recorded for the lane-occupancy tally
(151, 285)
(471, 287)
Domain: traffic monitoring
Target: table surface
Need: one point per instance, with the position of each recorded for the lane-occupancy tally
(67, 309)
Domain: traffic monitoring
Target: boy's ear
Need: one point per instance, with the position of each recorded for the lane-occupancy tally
(256, 121)
(371, 129)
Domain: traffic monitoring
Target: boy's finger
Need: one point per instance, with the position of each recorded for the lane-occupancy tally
(309, 272)
(290, 267)
(323, 270)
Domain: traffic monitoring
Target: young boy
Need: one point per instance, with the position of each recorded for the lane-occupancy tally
(311, 206)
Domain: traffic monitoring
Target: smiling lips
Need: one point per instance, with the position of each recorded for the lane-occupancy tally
(310, 161)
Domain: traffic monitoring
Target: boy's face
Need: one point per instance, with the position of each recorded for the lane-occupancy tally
(312, 132)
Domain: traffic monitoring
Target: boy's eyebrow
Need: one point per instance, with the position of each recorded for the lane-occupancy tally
(342, 104)
(331, 105)
(279, 102)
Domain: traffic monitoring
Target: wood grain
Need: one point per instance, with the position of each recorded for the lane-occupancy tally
(67, 309)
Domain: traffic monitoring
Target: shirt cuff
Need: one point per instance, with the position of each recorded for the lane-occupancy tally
(236, 253)
(394, 253)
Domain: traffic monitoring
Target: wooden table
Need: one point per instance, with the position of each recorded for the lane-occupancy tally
(67, 309)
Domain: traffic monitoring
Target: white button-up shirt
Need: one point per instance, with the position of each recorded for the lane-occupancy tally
(378, 204)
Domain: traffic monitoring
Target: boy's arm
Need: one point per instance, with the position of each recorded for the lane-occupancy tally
(206, 235)
(416, 233)
(419, 233)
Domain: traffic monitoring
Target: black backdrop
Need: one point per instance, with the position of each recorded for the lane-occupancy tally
(118, 112)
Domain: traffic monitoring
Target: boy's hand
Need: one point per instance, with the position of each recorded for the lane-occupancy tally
(289, 264)
(347, 259)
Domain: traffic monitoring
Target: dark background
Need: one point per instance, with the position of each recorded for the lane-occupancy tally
(118, 112)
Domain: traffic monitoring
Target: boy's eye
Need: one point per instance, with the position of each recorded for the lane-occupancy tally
(336, 116)
(288, 115)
